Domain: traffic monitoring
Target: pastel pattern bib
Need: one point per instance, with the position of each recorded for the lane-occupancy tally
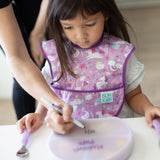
(99, 87)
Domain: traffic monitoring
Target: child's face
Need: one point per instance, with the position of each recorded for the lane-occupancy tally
(84, 32)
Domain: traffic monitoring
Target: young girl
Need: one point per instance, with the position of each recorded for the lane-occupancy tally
(90, 66)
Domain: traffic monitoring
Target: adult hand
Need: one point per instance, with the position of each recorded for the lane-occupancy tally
(35, 40)
(60, 124)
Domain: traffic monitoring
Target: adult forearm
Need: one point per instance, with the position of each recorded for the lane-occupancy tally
(39, 27)
(29, 76)
(22, 67)
(41, 110)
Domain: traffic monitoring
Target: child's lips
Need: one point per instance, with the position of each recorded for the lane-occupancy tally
(83, 43)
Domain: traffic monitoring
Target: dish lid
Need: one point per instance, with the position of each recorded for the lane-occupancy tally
(104, 138)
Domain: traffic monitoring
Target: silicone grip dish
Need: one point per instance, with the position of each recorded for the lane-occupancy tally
(104, 139)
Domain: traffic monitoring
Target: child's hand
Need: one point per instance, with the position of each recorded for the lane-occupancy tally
(31, 121)
(60, 124)
(152, 113)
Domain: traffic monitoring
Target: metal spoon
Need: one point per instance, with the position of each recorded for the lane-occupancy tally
(23, 151)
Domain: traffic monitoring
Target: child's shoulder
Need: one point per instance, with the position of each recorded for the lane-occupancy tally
(48, 44)
(51, 41)
(117, 43)
(115, 40)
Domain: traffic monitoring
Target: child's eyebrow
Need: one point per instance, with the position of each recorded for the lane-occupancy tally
(63, 23)
(92, 19)
(85, 20)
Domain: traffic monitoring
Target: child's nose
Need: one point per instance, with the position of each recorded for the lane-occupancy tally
(81, 35)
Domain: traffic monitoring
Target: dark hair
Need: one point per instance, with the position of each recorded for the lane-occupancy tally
(67, 9)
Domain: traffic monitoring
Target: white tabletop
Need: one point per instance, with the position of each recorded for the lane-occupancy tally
(146, 142)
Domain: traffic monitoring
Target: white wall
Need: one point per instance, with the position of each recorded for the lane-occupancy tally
(137, 3)
(5, 79)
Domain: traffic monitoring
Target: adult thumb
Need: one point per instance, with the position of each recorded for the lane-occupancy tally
(67, 113)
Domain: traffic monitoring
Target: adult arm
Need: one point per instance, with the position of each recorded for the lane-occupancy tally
(37, 35)
(22, 67)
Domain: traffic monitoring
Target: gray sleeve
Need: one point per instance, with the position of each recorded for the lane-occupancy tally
(46, 73)
(134, 73)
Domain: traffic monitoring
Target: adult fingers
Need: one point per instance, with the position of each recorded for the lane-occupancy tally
(54, 116)
(57, 123)
(67, 112)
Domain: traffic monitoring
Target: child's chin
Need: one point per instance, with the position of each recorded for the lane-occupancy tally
(84, 46)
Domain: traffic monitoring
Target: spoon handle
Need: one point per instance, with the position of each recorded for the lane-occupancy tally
(156, 125)
(25, 137)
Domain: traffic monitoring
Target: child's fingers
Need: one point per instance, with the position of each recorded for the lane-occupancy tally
(36, 126)
(36, 123)
(149, 120)
(152, 114)
(21, 124)
(33, 121)
(157, 112)
(29, 122)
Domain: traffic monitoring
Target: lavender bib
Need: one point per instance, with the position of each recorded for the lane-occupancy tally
(99, 88)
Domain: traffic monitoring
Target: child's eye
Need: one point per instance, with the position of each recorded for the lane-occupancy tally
(90, 25)
(67, 27)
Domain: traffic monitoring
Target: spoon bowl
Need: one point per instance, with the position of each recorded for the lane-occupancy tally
(23, 151)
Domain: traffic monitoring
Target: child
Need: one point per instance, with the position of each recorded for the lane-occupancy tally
(90, 66)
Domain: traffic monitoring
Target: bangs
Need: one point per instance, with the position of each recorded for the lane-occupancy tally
(67, 9)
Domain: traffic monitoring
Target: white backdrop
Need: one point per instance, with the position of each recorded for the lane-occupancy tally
(5, 78)
(137, 3)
